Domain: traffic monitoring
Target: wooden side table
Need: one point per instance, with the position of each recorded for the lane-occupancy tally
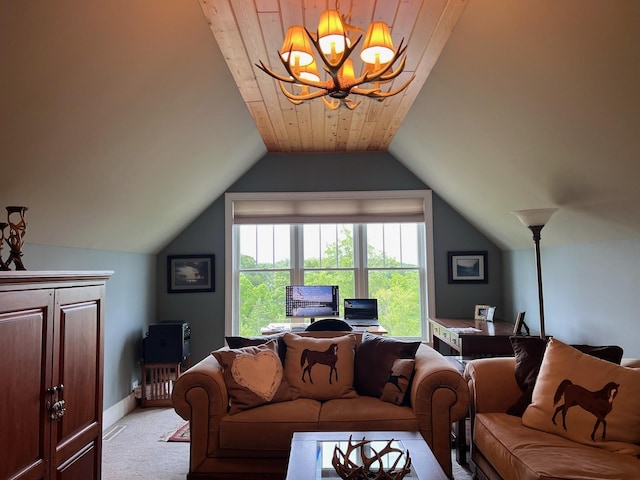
(157, 383)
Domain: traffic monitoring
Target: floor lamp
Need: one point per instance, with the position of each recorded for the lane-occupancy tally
(535, 220)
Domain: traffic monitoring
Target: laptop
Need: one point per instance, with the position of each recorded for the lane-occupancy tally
(361, 312)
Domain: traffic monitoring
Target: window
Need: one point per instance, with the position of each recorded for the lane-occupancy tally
(375, 258)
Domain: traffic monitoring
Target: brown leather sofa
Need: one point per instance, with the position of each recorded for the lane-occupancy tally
(504, 449)
(255, 443)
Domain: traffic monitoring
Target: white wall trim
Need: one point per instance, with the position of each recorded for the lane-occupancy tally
(114, 413)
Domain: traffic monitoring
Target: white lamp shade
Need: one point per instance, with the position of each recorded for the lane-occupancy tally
(534, 217)
(378, 47)
(331, 35)
(297, 43)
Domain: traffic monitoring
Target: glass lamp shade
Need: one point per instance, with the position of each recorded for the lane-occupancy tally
(331, 35)
(378, 47)
(535, 217)
(296, 42)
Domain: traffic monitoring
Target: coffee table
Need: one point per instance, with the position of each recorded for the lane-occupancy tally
(311, 453)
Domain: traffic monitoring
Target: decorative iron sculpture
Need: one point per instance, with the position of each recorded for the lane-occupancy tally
(15, 239)
(371, 467)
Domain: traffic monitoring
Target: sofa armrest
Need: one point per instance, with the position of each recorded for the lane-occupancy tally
(492, 384)
(630, 362)
(439, 397)
(200, 396)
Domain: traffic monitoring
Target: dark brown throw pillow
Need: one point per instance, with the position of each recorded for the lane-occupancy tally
(397, 385)
(374, 361)
(241, 342)
(529, 352)
(253, 376)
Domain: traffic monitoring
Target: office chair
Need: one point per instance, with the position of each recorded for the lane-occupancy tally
(329, 324)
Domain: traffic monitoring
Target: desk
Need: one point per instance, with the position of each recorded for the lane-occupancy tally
(471, 338)
(299, 327)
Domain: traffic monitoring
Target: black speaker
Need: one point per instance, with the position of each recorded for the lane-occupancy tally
(167, 342)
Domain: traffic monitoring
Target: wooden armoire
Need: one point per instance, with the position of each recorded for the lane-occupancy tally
(51, 373)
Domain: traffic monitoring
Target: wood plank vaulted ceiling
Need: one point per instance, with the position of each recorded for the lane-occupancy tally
(250, 31)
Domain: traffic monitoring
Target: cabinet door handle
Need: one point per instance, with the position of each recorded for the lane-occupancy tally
(58, 410)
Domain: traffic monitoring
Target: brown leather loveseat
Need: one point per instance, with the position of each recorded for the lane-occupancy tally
(255, 443)
(504, 447)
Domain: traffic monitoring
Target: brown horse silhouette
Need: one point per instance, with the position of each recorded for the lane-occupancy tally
(598, 403)
(329, 357)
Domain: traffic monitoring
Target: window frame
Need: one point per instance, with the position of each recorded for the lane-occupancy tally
(232, 244)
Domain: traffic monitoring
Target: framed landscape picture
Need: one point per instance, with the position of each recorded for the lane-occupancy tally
(190, 273)
(467, 267)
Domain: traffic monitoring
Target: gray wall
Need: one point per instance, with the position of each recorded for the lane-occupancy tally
(589, 291)
(451, 232)
(320, 172)
(130, 306)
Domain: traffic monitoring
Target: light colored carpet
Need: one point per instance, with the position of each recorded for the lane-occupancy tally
(135, 448)
(138, 449)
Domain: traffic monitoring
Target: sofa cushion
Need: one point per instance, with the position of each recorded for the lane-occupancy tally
(397, 385)
(366, 413)
(253, 376)
(528, 352)
(320, 368)
(374, 361)
(516, 451)
(241, 342)
(586, 399)
(269, 427)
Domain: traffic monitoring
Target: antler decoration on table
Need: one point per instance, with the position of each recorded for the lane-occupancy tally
(372, 467)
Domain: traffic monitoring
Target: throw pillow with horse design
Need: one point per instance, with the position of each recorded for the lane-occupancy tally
(320, 368)
(586, 399)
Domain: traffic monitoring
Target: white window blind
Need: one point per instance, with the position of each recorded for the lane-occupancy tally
(328, 207)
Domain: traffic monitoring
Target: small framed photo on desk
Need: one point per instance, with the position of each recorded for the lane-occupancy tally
(484, 312)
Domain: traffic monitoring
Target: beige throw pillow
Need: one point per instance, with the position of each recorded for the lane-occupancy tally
(253, 376)
(320, 368)
(586, 399)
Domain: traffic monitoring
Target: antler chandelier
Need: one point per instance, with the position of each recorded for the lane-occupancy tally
(334, 44)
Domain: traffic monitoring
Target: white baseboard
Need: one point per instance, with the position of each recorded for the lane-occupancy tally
(114, 413)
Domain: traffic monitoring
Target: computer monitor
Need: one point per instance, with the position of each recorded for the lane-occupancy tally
(361, 309)
(312, 301)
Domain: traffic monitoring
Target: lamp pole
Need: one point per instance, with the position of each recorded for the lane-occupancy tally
(535, 220)
(535, 229)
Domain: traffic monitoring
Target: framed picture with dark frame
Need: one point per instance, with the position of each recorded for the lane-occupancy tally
(190, 273)
(468, 267)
